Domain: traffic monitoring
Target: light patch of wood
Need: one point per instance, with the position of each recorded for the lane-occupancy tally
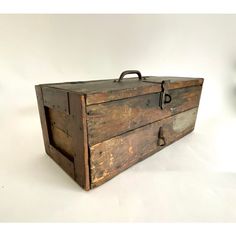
(131, 150)
(101, 163)
(106, 173)
(111, 160)
(184, 120)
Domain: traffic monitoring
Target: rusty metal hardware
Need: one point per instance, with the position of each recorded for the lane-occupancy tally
(128, 72)
(161, 139)
(164, 95)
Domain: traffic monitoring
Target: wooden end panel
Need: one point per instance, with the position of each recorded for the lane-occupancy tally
(62, 141)
(48, 135)
(56, 99)
(43, 119)
(62, 161)
(110, 119)
(80, 142)
(60, 120)
(113, 156)
(60, 131)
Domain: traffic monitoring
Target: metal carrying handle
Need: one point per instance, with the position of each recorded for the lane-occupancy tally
(128, 72)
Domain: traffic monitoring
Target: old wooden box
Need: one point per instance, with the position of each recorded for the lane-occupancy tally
(96, 129)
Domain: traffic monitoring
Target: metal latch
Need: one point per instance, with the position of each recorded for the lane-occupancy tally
(164, 95)
(161, 139)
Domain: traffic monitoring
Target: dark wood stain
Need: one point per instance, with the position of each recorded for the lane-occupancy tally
(100, 91)
(94, 130)
(109, 119)
(79, 142)
(63, 161)
(62, 142)
(56, 99)
(66, 164)
(60, 120)
(112, 156)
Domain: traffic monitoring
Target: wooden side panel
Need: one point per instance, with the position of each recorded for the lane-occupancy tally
(60, 131)
(110, 119)
(42, 115)
(62, 161)
(56, 99)
(80, 143)
(60, 120)
(62, 141)
(66, 164)
(111, 157)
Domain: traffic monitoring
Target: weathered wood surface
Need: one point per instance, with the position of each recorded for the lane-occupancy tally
(96, 129)
(119, 93)
(107, 90)
(42, 116)
(62, 141)
(112, 156)
(66, 164)
(56, 99)
(110, 119)
(60, 120)
(79, 141)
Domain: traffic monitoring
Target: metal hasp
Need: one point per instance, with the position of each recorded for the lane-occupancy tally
(164, 95)
(161, 139)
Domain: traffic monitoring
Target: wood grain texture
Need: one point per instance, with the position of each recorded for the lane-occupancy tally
(56, 99)
(79, 141)
(96, 129)
(60, 131)
(112, 156)
(62, 161)
(139, 88)
(42, 115)
(110, 119)
(55, 154)
(100, 91)
(62, 141)
(60, 120)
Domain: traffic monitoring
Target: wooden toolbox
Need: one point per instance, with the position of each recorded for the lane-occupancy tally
(96, 129)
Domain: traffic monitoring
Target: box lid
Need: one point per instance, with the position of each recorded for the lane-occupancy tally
(99, 91)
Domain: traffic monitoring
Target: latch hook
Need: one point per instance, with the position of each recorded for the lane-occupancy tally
(161, 139)
(164, 95)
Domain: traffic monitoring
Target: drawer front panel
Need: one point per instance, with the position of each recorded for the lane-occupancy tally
(112, 156)
(110, 119)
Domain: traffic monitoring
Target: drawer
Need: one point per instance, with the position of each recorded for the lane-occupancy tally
(109, 119)
(112, 156)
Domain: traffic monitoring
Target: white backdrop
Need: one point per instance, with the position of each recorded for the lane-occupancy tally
(191, 180)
